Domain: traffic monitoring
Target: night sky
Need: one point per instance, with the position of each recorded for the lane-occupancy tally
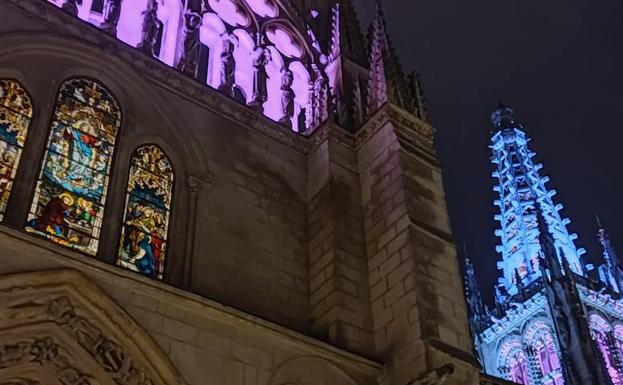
(559, 65)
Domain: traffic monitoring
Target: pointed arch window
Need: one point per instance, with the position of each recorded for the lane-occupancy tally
(601, 332)
(68, 204)
(513, 362)
(15, 117)
(146, 220)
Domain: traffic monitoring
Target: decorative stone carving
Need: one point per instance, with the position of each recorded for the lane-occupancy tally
(46, 353)
(112, 11)
(317, 106)
(189, 61)
(287, 96)
(151, 29)
(261, 57)
(71, 6)
(228, 64)
(62, 306)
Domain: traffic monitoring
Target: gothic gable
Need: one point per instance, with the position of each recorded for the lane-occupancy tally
(59, 328)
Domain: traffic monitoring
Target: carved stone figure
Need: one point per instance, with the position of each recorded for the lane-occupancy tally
(110, 356)
(71, 6)
(190, 47)
(11, 355)
(287, 95)
(112, 11)
(228, 64)
(151, 29)
(261, 57)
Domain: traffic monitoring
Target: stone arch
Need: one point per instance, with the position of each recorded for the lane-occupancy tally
(535, 329)
(59, 328)
(310, 370)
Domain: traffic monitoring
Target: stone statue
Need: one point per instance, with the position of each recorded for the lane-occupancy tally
(71, 6)
(112, 11)
(190, 49)
(318, 99)
(287, 95)
(151, 29)
(261, 57)
(228, 64)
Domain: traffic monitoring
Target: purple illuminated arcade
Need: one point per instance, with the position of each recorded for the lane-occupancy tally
(556, 319)
(263, 53)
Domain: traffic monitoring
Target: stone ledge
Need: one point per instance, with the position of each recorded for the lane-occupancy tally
(197, 304)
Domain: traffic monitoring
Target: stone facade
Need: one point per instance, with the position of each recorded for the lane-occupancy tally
(293, 259)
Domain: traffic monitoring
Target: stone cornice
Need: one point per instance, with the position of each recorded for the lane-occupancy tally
(414, 135)
(514, 318)
(198, 305)
(387, 112)
(330, 130)
(601, 301)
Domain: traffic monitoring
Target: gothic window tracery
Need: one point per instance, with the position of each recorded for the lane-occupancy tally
(146, 220)
(514, 362)
(15, 117)
(540, 338)
(601, 332)
(70, 196)
(245, 49)
(618, 335)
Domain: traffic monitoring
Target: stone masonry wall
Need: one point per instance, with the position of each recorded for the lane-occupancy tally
(339, 291)
(208, 343)
(417, 305)
(342, 237)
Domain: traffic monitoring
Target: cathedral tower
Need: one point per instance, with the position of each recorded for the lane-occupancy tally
(522, 190)
(555, 321)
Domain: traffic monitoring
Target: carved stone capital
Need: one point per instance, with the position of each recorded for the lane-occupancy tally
(196, 184)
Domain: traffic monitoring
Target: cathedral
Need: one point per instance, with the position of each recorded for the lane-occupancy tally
(221, 192)
(557, 320)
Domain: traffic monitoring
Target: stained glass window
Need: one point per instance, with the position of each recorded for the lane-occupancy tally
(15, 115)
(68, 204)
(148, 202)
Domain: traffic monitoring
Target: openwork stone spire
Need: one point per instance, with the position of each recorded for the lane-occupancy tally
(347, 65)
(522, 191)
(377, 82)
(346, 36)
(387, 81)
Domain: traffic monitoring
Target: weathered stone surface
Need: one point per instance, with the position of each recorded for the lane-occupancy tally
(292, 260)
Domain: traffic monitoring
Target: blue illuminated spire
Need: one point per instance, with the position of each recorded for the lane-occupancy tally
(522, 191)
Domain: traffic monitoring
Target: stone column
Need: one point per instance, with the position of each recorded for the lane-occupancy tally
(194, 185)
(418, 308)
(536, 376)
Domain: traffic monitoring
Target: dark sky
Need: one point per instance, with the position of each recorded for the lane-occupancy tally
(559, 65)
